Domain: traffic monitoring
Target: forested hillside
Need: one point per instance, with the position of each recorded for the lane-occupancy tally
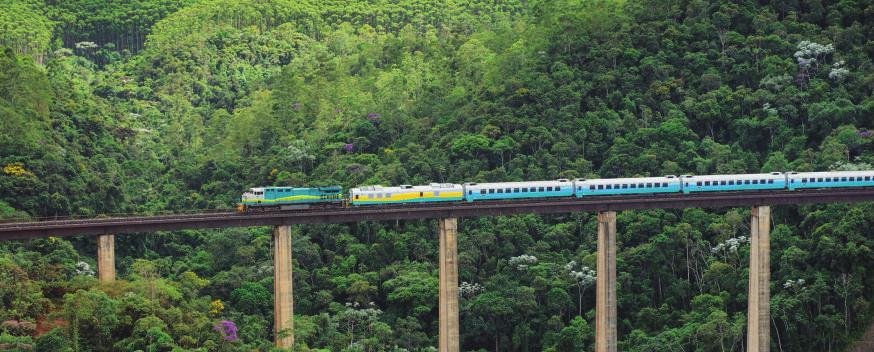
(169, 105)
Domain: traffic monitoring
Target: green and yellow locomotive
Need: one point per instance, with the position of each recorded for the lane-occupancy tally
(286, 198)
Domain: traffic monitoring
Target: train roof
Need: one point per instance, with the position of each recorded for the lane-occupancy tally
(736, 176)
(517, 183)
(430, 187)
(831, 173)
(321, 188)
(669, 178)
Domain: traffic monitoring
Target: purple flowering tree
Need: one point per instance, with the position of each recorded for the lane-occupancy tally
(374, 118)
(228, 330)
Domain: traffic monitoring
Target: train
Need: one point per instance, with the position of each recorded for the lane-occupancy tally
(289, 198)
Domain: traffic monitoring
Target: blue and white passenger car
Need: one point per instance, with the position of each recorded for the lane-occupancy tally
(736, 182)
(515, 190)
(831, 179)
(610, 186)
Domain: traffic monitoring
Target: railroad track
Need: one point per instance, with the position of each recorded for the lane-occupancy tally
(222, 218)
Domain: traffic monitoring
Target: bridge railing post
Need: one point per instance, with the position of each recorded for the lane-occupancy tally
(605, 284)
(448, 315)
(106, 258)
(759, 299)
(283, 297)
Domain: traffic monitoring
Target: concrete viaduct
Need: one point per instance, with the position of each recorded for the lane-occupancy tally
(758, 313)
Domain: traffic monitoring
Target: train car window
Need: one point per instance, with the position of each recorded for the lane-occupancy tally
(600, 186)
(421, 194)
(828, 179)
(515, 190)
(699, 184)
(851, 179)
(803, 180)
(356, 196)
(731, 182)
(633, 185)
(592, 187)
(482, 191)
(609, 186)
(491, 190)
(722, 183)
(755, 182)
(770, 182)
(867, 178)
(540, 189)
(746, 182)
(843, 179)
(649, 185)
(500, 190)
(624, 186)
(640, 185)
(549, 189)
(507, 190)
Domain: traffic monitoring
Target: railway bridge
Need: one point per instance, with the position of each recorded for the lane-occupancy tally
(758, 311)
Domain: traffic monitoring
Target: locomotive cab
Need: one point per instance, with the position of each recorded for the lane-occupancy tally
(253, 197)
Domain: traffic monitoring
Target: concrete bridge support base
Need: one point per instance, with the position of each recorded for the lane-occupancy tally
(448, 232)
(106, 258)
(759, 299)
(283, 298)
(605, 289)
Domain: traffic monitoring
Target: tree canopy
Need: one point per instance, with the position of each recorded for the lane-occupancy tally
(154, 106)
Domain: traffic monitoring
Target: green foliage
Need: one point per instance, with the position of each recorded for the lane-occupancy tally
(151, 106)
(25, 29)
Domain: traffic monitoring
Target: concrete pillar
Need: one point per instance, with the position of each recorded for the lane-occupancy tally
(106, 258)
(448, 232)
(283, 297)
(759, 299)
(605, 289)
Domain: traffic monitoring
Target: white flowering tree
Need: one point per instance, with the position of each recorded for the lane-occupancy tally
(809, 55)
(468, 290)
(83, 268)
(523, 262)
(582, 278)
(728, 249)
(363, 318)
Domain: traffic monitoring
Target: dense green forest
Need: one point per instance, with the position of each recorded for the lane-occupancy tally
(169, 105)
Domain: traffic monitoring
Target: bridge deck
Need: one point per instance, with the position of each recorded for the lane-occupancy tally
(136, 224)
